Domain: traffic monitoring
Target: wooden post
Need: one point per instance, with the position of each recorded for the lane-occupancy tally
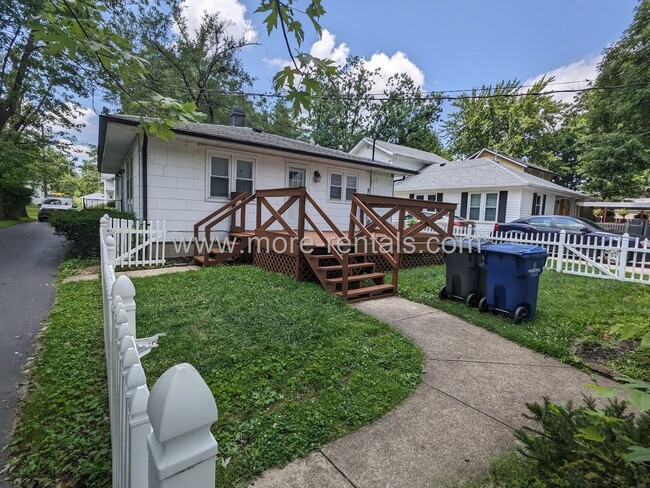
(182, 450)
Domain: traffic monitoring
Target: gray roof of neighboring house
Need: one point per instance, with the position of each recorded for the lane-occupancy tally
(407, 152)
(475, 173)
(248, 136)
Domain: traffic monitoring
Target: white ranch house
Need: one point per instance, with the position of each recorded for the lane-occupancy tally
(183, 180)
(488, 188)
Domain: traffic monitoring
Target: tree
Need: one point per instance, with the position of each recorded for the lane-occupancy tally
(47, 169)
(348, 110)
(616, 159)
(507, 120)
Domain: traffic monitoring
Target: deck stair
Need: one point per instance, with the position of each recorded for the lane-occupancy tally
(343, 269)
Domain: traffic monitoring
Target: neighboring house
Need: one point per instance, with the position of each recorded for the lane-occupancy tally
(93, 200)
(514, 163)
(108, 184)
(388, 152)
(185, 179)
(488, 191)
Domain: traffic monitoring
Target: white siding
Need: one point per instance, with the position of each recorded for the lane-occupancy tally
(527, 202)
(177, 186)
(366, 151)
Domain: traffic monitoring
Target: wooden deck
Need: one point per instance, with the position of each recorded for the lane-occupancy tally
(351, 262)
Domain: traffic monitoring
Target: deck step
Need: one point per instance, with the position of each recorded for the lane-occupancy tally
(338, 267)
(361, 277)
(369, 290)
(241, 235)
(331, 256)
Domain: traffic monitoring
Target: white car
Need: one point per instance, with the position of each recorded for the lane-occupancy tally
(53, 204)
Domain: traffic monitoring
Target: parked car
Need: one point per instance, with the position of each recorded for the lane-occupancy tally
(54, 204)
(541, 225)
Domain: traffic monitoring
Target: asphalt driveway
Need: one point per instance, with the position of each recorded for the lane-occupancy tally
(29, 257)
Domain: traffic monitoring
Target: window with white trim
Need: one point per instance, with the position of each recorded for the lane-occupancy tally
(342, 186)
(227, 174)
(491, 201)
(219, 177)
(350, 186)
(475, 206)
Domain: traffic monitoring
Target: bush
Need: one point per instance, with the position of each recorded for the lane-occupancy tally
(584, 446)
(81, 228)
(13, 200)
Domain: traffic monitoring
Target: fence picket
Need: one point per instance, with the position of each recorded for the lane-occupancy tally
(191, 457)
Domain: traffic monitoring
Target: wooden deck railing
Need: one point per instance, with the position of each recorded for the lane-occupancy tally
(237, 204)
(302, 198)
(367, 219)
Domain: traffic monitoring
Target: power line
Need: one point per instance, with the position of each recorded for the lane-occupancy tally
(475, 93)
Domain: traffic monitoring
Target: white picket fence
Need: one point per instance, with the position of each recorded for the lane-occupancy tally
(138, 243)
(614, 226)
(159, 438)
(621, 258)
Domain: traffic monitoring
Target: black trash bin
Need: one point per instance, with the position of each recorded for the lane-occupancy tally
(465, 275)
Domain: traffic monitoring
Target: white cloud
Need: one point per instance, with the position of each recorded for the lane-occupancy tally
(392, 65)
(232, 11)
(575, 75)
(326, 47)
(277, 63)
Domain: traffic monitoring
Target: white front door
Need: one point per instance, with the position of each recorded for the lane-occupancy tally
(296, 177)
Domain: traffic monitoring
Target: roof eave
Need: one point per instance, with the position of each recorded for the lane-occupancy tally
(190, 133)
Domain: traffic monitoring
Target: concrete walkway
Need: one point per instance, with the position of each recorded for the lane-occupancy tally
(136, 273)
(463, 413)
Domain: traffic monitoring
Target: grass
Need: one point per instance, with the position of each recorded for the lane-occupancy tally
(570, 309)
(32, 214)
(74, 266)
(291, 368)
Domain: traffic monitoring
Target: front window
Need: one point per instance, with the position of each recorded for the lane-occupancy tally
(336, 186)
(491, 207)
(244, 180)
(219, 177)
(475, 206)
(351, 187)
(537, 204)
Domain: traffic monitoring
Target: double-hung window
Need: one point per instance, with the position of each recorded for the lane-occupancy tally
(475, 206)
(227, 174)
(491, 200)
(342, 186)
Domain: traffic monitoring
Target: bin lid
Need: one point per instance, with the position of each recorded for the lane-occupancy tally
(526, 250)
(465, 243)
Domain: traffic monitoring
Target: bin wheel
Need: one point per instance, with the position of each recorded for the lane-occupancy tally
(443, 293)
(521, 314)
(472, 300)
(482, 305)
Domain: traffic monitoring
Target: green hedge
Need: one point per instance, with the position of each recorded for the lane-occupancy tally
(81, 228)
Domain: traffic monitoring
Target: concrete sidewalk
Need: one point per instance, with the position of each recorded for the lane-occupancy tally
(464, 412)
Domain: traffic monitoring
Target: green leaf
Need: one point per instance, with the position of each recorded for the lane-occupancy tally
(629, 331)
(638, 454)
(590, 433)
(640, 400)
(645, 342)
(601, 391)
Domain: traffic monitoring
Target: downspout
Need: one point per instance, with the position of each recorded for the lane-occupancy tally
(145, 144)
(374, 142)
(395, 180)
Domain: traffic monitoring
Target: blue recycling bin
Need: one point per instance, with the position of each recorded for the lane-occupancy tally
(512, 279)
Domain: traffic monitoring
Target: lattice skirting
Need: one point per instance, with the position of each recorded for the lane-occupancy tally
(408, 261)
(278, 263)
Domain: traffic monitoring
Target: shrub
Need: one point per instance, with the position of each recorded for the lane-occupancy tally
(13, 200)
(585, 446)
(81, 228)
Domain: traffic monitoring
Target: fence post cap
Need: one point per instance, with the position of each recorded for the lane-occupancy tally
(104, 219)
(123, 287)
(110, 241)
(180, 402)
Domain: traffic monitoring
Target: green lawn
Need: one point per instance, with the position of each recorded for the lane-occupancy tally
(291, 367)
(570, 309)
(32, 214)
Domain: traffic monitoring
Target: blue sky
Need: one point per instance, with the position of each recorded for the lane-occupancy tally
(442, 44)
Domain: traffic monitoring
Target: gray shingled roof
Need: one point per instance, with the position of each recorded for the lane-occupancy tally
(248, 136)
(525, 164)
(475, 173)
(408, 152)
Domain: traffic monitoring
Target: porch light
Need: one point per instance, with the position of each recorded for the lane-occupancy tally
(316, 177)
